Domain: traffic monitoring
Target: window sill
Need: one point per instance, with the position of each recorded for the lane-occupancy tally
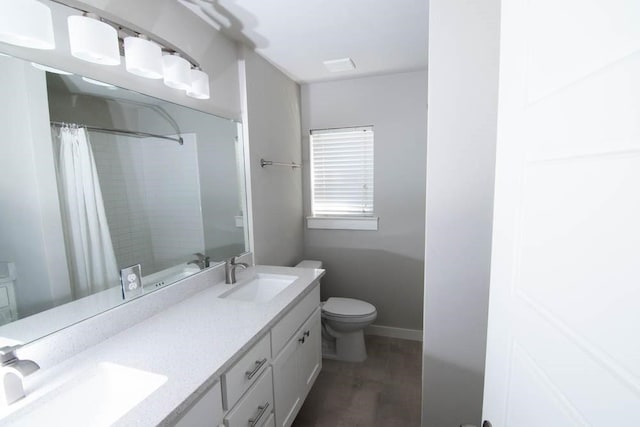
(369, 223)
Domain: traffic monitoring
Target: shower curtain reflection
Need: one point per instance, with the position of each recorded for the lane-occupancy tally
(92, 263)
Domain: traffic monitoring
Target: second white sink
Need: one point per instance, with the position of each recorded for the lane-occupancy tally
(261, 288)
(98, 397)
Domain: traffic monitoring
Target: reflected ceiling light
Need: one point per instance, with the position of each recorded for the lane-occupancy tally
(143, 57)
(26, 23)
(99, 83)
(339, 65)
(93, 40)
(177, 71)
(50, 69)
(199, 84)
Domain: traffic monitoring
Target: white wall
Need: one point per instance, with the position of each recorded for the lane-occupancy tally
(384, 267)
(463, 70)
(272, 127)
(30, 224)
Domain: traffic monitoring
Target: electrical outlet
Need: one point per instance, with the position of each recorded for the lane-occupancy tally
(131, 281)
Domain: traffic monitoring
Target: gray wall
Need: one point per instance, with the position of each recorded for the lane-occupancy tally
(272, 127)
(384, 267)
(463, 92)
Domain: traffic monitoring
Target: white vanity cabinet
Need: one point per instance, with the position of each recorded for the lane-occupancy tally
(267, 384)
(297, 364)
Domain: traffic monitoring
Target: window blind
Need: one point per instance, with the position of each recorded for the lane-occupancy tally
(342, 172)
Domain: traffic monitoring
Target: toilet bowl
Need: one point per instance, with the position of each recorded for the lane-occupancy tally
(343, 323)
(344, 320)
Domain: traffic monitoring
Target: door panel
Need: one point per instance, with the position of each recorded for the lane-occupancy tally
(564, 301)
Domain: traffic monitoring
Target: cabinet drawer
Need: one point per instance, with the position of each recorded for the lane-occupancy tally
(245, 371)
(290, 323)
(255, 407)
(4, 297)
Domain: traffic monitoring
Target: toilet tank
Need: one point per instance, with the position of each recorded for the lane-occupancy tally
(307, 263)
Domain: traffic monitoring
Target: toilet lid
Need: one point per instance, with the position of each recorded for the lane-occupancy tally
(347, 307)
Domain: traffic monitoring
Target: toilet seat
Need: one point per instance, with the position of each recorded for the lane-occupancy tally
(345, 308)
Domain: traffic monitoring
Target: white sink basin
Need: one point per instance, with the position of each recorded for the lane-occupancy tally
(98, 397)
(261, 288)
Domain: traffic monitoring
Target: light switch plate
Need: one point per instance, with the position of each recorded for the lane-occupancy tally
(131, 281)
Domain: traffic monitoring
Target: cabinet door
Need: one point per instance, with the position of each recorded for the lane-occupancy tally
(310, 353)
(207, 411)
(286, 382)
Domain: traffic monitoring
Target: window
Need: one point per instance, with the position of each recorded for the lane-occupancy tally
(342, 179)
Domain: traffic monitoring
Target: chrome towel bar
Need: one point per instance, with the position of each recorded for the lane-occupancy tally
(292, 165)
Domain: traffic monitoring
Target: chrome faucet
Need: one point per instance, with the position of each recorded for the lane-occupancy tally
(230, 266)
(12, 372)
(202, 262)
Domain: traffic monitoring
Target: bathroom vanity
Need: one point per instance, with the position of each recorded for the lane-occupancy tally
(222, 356)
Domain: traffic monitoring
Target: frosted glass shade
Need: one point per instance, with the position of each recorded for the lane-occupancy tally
(143, 57)
(26, 23)
(199, 85)
(93, 40)
(99, 83)
(177, 72)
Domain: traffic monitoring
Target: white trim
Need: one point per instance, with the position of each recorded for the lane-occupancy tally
(388, 331)
(343, 223)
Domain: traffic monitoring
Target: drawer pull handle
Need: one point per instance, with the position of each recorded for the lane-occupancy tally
(301, 340)
(262, 409)
(259, 364)
(306, 334)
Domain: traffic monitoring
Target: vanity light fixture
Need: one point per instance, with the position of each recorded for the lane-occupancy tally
(177, 71)
(50, 69)
(143, 57)
(26, 23)
(199, 84)
(93, 40)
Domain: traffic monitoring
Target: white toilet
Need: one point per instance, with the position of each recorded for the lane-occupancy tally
(343, 323)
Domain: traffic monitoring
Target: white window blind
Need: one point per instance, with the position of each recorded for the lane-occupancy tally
(342, 172)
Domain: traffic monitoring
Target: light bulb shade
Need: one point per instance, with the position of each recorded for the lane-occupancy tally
(93, 40)
(99, 83)
(26, 23)
(177, 72)
(199, 85)
(143, 57)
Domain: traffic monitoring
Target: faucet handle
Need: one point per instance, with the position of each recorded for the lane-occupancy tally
(8, 353)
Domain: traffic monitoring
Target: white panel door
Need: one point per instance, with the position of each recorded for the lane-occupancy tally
(564, 315)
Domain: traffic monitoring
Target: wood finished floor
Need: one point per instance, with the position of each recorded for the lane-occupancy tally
(385, 390)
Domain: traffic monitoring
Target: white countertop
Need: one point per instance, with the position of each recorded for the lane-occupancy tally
(191, 343)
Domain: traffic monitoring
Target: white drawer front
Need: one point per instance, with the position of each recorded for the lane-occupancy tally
(290, 323)
(246, 371)
(255, 407)
(4, 297)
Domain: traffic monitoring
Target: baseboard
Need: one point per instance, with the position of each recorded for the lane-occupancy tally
(388, 331)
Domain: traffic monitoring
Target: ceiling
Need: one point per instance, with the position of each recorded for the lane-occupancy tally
(380, 36)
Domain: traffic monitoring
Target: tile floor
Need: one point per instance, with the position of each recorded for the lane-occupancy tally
(385, 390)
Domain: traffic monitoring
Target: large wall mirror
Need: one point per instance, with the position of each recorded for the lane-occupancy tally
(96, 178)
